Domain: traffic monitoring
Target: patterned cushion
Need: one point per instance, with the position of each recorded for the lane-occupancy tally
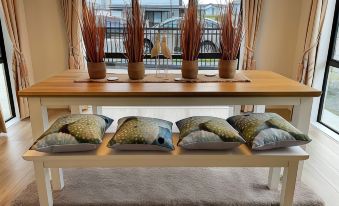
(71, 133)
(142, 133)
(203, 132)
(267, 131)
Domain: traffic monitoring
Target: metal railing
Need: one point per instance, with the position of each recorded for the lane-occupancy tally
(208, 57)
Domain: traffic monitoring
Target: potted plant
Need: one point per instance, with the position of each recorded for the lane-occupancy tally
(93, 33)
(134, 41)
(191, 36)
(231, 34)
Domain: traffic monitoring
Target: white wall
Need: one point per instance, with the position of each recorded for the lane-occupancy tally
(47, 37)
(281, 34)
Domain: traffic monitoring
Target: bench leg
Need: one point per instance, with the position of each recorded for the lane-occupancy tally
(274, 178)
(43, 184)
(288, 186)
(57, 178)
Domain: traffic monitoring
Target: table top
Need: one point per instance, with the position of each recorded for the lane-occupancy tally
(263, 84)
(241, 153)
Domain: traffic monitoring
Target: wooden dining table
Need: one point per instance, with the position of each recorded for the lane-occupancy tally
(264, 88)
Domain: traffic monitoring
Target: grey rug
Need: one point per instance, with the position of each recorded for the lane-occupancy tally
(168, 186)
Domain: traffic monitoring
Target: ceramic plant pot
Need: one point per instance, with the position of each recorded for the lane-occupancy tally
(227, 68)
(136, 71)
(96, 70)
(189, 69)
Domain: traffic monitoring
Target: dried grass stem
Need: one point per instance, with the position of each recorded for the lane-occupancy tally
(231, 35)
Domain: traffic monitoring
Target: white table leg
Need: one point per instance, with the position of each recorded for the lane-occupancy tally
(43, 184)
(274, 178)
(236, 109)
(57, 179)
(259, 108)
(301, 119)
(38, 116)
(57, 173)
(288, 186)
(76, 109)
(97, 109)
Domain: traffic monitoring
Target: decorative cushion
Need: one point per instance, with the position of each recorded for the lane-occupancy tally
(264, 131)
(142, 133)
(203, 132)
(72, 133)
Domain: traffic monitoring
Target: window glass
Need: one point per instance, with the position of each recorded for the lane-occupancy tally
(162, 17)
(329, 109)
(171, 24)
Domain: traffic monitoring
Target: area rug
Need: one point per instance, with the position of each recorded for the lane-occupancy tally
(168, 186)
(169, 78)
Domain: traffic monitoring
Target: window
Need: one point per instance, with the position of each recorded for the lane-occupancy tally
(329, 109)
(6, 97)
(162, 17)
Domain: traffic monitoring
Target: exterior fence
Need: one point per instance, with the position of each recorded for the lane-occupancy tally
(209, 50)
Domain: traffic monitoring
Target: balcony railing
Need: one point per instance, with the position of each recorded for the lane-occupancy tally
(208, 57)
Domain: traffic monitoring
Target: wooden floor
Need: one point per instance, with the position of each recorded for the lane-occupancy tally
(321, 172)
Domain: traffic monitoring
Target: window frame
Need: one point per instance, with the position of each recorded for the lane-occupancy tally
(3, 60)
(330, 62)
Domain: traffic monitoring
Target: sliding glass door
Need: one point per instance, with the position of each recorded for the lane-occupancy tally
(6, 97)
(329, 105)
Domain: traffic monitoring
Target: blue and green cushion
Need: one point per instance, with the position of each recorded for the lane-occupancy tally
(210, 133)
(142, 133)
(73, 133)
(263, 131)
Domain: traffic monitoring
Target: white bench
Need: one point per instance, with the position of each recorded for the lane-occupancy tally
(288, 158)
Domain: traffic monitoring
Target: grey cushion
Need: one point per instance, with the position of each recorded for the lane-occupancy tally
(264, 131)
(142, 133)
(73, 133)
(210, 133)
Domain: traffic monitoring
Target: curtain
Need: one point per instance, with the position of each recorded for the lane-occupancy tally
(2, 123)
(252, 12)
(19, 67)
(71, 9)
(315, 23)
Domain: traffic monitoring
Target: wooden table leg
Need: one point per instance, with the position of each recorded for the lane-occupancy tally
(57, 179)
(76, 109)
(43, 184)
(288, 185)
(274, 178)
(236, 109)
(301, 119)
(38, 116)
(39, 123)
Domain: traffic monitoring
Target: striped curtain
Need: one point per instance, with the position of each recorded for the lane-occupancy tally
(315, 23)
(71, 10)
(12, 12)
(2, 123)
(252, 13)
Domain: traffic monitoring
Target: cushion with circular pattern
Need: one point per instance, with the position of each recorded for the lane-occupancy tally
(263, 131)
(72, 133)
(205, 132)
(142, 133)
